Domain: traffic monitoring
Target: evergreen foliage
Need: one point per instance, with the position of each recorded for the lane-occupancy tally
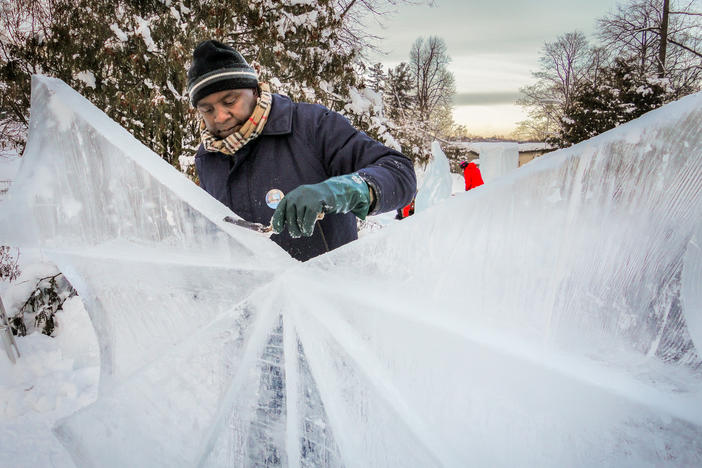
(399, 100)
(622, 94)
(377, 78)
(400, 107)
(130, 57)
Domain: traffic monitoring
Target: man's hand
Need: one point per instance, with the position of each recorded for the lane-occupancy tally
(299, 208)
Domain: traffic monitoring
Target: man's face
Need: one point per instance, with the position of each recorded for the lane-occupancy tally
(224, 112)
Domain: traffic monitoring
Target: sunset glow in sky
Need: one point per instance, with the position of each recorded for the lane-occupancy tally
(494, 47)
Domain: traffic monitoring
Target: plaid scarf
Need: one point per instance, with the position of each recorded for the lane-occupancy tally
(250, 130)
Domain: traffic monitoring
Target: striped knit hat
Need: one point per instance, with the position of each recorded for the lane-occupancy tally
(217, 67)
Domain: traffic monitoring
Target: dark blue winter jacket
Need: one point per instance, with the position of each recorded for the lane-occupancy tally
(305, 144)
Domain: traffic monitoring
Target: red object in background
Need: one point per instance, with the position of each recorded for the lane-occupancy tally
(471, 174)
(408, 210)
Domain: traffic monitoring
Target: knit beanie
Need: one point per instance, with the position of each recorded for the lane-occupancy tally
(217, 67)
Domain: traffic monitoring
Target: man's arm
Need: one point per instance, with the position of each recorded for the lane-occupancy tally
(346, 150)
(366, 177)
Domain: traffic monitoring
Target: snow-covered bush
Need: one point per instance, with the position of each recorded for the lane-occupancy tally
(130, 58)
(34, 297)
(621, 94)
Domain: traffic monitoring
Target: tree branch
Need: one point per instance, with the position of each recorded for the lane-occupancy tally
(36, 288)
(348, 7)
(685, 47)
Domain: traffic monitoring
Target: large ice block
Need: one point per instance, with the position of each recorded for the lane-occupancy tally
(147, 249)
(550, 318)
(85, 181)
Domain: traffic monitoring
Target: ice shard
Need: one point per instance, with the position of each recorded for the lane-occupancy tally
(85, 181)
(550, 318)
(437, 182)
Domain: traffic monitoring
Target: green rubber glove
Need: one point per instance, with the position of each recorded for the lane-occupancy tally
(299, 208)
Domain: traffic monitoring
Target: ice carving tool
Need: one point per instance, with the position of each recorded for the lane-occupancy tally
(258, 227)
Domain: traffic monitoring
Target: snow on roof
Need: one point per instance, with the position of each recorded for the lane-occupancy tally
(476, 146)
(534, 146)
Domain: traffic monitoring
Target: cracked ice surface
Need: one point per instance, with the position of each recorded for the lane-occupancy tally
(551, 318)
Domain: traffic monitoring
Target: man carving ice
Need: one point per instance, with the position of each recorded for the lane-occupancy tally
(258, 147)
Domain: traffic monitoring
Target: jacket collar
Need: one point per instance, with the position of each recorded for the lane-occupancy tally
(280, 117)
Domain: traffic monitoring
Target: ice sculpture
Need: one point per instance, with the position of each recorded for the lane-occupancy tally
(496, 159)
(437, 182)
(127, 229)
(550, 318)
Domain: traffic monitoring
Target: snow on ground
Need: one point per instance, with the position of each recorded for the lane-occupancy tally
(53, 378)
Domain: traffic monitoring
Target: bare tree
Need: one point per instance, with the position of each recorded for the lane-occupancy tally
(661, 38)
(533, 129)
(354, 14)
(543, 113)
(665, 39)
(434, 84)
(629, 32)
(564, 64)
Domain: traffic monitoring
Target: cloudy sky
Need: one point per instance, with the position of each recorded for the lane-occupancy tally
(494, 47)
